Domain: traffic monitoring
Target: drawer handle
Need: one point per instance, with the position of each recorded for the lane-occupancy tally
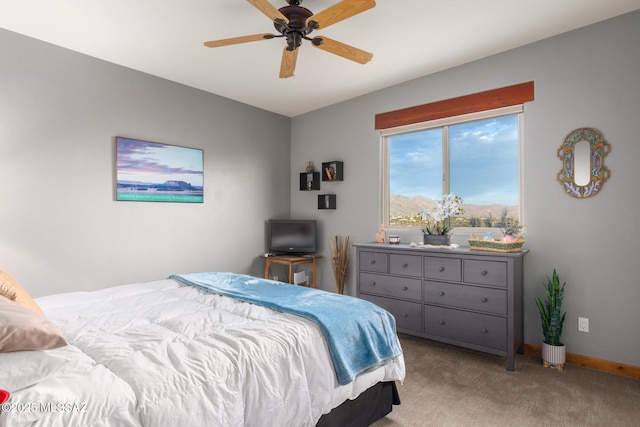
(373, 283)
(405, 315)
(484, 331)
(405, 265)
(484, 272)
(441, 322)
(441, 293)
(406, 288)
(441, 269)
(485, 299)
(373, 261)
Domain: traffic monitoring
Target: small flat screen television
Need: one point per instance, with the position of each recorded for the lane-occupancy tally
(291, 236)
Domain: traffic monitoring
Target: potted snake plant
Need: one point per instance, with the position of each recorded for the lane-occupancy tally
(552, 317)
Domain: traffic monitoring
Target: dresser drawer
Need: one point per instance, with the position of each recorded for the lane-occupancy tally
(374, 261)
(406, 265)
(408, 314)
(480, 329)
(485, 272)
(443, 268)
(400, 287)
(469, 297)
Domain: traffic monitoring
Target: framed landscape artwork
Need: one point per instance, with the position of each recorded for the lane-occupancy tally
(153, 172)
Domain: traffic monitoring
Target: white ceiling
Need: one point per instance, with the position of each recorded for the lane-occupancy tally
(409, 39)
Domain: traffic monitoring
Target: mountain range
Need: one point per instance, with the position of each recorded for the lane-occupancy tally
(405, 206)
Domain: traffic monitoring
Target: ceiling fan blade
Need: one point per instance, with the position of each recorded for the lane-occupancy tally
(241, 39)
(288, 65)
(268, 9)
(341, 49)
(338, 12)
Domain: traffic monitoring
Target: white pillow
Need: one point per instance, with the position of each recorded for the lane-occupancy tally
(21, 369)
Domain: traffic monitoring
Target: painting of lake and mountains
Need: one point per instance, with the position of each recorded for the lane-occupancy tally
(154, 172)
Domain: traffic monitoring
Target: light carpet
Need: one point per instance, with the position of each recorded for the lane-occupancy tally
(451, 386)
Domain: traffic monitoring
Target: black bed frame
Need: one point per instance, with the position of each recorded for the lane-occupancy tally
(373, 404)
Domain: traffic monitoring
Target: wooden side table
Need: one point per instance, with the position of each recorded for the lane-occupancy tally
(291, 261)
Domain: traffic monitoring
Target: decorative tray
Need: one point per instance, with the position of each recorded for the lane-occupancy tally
(495, 245)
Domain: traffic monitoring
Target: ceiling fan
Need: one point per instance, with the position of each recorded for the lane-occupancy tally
(295, 23)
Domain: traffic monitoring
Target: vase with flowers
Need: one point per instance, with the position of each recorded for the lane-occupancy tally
(511, 229)
(437, 228)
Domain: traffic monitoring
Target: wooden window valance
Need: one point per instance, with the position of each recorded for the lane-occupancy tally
(482, 101)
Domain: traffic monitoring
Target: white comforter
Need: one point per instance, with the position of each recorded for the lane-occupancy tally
(167, 354)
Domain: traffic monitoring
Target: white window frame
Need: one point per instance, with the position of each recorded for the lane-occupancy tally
(445, 123)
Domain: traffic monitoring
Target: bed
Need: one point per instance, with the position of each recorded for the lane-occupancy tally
(193, 350)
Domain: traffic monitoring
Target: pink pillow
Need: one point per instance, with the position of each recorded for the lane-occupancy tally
(24, 329)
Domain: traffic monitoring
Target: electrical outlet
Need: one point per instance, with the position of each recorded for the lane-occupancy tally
(275, 278)
(583, 324)
(306, 280)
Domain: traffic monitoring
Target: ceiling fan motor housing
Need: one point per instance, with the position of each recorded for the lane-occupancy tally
(297, 28)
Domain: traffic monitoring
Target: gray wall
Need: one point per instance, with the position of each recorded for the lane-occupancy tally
(60, 228)
(586, 78)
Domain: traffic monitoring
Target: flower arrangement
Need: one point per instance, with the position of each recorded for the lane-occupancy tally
(437, 217)
(511, 229)
(512, 226)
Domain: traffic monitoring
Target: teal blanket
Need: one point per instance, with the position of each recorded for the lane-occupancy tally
(360, 335)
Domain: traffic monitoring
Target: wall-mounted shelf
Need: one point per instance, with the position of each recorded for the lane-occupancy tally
(326, 201)
(309, 181)
(333, 171)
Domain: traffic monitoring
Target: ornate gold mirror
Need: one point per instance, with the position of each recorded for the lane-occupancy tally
(582, 154)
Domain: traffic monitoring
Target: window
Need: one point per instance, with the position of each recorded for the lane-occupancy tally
(475, 156)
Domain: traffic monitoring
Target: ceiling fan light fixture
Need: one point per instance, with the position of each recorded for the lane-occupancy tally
(294, 40)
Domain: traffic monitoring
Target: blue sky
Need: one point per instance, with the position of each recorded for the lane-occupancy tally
(484, 167)
(156, 163)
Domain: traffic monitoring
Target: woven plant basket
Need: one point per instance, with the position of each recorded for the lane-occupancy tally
(495, 245)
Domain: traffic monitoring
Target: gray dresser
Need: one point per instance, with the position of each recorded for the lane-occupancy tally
(463, 297)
